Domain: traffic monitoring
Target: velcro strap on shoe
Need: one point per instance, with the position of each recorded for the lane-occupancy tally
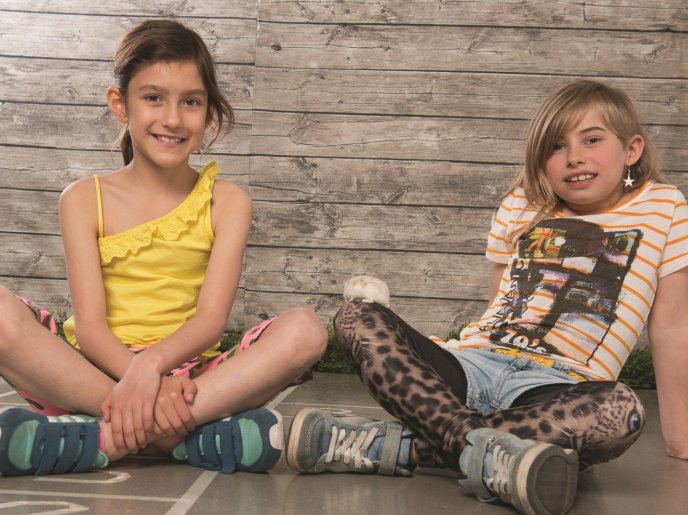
(202, 452)
(390, 449)
(475, 468)
(79, 442)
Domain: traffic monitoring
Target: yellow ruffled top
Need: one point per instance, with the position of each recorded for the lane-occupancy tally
(152, 273)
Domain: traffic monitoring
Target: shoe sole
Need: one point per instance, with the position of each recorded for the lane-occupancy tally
(547, 481)
(295, 439)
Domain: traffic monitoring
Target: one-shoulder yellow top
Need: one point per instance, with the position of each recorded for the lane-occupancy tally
(153, 272)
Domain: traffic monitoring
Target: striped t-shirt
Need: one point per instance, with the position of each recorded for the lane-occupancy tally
(578, 290)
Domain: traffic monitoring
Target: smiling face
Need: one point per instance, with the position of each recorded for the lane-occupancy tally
(166, 109)
(587, 164)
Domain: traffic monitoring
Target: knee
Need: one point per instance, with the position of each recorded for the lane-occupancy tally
(620, 420)
(10, 326)
(624, 406)
(309, 339)
(344, 321)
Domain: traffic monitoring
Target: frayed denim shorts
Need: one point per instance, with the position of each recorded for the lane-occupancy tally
(496, 380)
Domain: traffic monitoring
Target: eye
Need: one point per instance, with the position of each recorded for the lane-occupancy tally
(557, 147)
(192, 102)
(634, 421)
(153, 98)
(594, 139)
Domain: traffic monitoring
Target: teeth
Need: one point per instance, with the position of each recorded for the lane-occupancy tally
(166, 139)
(583, 177)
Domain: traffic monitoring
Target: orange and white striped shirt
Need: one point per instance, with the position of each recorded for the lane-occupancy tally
(578, 290)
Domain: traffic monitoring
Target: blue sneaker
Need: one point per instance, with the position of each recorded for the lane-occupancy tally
(252, 441)
(35, 444)
(536, 478)
(320, 441)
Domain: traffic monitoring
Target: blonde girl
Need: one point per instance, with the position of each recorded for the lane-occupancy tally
(587, 246)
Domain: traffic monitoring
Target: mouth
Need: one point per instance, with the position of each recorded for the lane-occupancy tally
(168, 139)
(580, 178)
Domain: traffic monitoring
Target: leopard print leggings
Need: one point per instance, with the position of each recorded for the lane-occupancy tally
(600, 420)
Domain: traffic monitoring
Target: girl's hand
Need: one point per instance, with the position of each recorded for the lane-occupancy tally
(172, 414)
(131, 405)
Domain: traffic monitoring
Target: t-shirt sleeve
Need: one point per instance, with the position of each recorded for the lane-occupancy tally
(499, 245)
(675, 255)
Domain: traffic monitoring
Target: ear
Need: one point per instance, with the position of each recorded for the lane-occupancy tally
(635, 149)
(116, 103)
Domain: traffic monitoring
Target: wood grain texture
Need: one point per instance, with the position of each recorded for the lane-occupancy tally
(85, 82)
(423, 138)
(89, 128)
(92, 37)
(53, 169)
(456, 94)
(656, 15)
(175, 8)
(474, 49)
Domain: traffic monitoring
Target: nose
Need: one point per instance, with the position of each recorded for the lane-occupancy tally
(574, 155)
(172, 116)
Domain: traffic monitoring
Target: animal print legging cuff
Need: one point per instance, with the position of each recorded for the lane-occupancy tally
(598, 419)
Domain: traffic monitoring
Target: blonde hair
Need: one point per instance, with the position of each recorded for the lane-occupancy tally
(559, 114)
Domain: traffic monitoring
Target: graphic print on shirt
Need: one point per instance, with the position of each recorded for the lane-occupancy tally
(565, 287)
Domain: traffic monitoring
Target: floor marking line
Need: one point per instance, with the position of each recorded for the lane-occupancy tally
(280, 397)
(194, 492)
(89, 495)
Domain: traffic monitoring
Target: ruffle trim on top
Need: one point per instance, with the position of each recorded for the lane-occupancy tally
(168, 227)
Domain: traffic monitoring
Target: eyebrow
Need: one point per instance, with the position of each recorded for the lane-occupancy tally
(153, 87)
(593, 128)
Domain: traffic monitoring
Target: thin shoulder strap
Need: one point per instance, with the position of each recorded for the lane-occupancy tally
(99, 202)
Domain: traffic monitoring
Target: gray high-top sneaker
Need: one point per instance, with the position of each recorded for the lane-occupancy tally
(536, 478)
(320, 441)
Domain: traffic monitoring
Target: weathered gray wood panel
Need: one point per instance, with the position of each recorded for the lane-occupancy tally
(427, 315)
(643, 15)
(475, 49)
(53, 169)
(206, 8)
(404, 137)
(321, 271)
(73, 36)
(383, 181)
(90, 127)
(371, 227)
(379, 181)
(29, 255)
(430, 93)
(85, 82)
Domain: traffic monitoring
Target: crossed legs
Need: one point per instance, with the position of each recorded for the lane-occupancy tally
(36, 361)
(600, 420)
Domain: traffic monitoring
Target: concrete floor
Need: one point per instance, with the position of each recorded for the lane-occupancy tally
(643, 481)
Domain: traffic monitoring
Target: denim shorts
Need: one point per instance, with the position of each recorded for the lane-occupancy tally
(496, 380)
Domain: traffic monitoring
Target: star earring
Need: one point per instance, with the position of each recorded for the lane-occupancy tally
(628, 182)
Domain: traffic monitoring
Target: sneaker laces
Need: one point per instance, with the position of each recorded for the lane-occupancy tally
(351, 446)
(501, 460)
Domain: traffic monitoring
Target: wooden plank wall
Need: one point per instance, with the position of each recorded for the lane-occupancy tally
(375, 136)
